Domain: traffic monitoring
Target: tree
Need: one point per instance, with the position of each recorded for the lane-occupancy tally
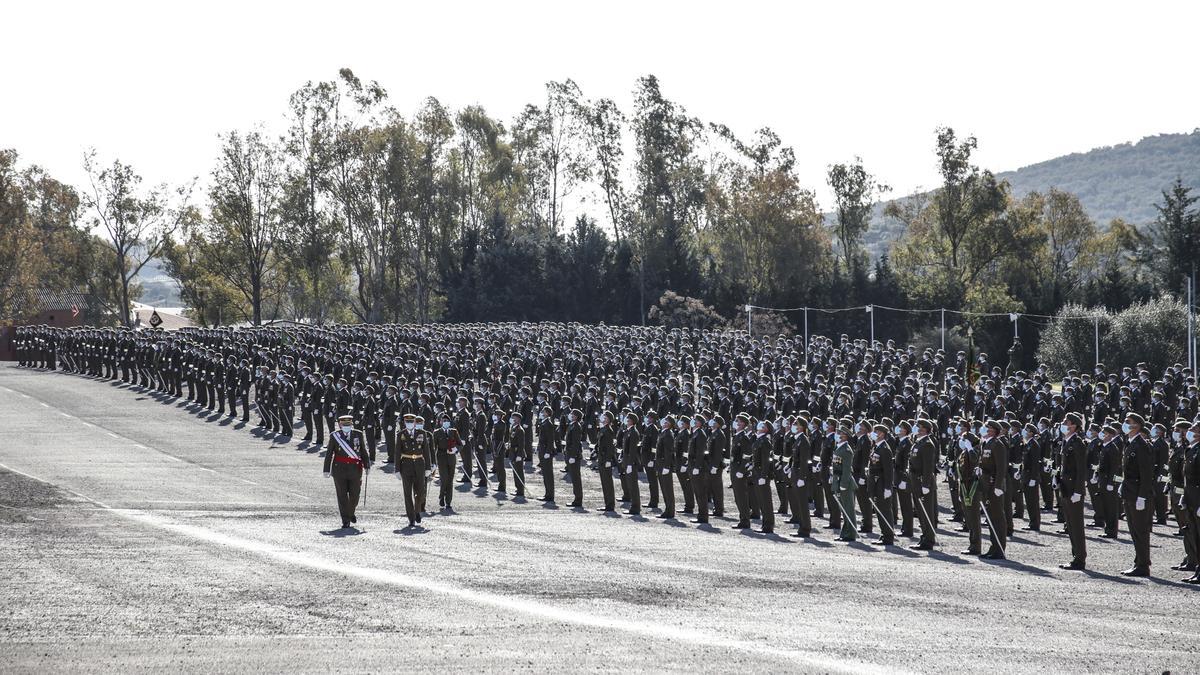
(605, 125)
(854, 194)
(243, 233)
(547, 146)
(137, 221)
(315, 274)
(1177, 229)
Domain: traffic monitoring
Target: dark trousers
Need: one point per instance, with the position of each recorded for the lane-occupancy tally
(864, 504)
(766, 507)
(287, 418)
(412, 476)
(887, 527)
(467, 452)
(798, 496)
(924, 506)
(547, 466)
(347, 489)
(446, 463)
(1139, 530)
(716, 492)
(1110, 507)
(498, 470)
(1073, 512)
(905, 497)
(667, 482)
(700, 493)
(607, 489)
(652, 484)
(1034, 513)
(835, 514)
(685, 488)
(817, 494)
(741, 497)
(518, 469)
(629, 479)
(999, 526)
(1186, 525)
(573, 471)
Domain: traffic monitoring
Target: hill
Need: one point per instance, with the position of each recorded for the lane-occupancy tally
(1119, 181)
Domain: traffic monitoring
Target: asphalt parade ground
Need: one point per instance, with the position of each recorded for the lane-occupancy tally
(142, 537)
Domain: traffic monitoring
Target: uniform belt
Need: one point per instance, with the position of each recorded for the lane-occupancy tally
(412, 456)
(346, 460)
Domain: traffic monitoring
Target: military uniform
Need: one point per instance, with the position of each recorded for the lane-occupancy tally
(345, 462)
(844, 485)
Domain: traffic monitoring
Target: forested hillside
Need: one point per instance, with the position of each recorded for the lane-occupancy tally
(1119, 181)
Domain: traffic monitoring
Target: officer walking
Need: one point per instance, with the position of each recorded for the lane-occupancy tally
(346, 464)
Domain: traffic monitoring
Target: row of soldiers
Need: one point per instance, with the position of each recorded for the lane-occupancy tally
(842, 429)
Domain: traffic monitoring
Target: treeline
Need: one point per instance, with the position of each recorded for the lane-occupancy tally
(577, 210)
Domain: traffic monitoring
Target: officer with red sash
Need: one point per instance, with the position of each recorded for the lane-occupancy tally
(345, 463)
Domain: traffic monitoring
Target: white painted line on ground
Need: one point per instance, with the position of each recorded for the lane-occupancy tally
(112, 434)
(63, 414)
(43, 404)
(506, 602)
(87, 424)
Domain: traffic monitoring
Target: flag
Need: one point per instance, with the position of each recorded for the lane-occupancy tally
(74, 311)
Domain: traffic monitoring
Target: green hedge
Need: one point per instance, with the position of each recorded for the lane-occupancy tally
(1154, 333)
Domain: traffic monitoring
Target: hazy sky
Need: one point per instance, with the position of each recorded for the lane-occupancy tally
(154, 82)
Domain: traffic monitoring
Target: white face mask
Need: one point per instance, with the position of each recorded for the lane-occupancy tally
(495, 419)
(795, 429)
(1064, 429)
(420, 427)
(346, 428)
(1191, 436)
(410, 426)
(873, 436)
(446, 426)
(1175, 436)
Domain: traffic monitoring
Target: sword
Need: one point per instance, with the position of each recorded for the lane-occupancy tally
(845, 515)
(366, 476)
(482, 469)
(517, 476)
(882, 519)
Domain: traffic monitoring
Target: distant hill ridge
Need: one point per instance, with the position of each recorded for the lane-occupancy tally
(1118, 181)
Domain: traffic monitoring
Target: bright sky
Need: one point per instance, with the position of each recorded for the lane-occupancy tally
(154, 82)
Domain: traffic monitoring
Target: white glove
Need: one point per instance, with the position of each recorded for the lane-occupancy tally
(1140, 504)
(1094, 480)
(1032, 482)
(799, 482)
(328, 475)
(628, 468)
(999, 492)
(862, 481)
(428, 474)
(713, 471)
(666, 471)
(650, 463)
(817, 468)
(924, 490)
(739, 474)
(454, 451)
(695, 472)
(545, 456)
(1109, 488)
(389, 428)
(570, 460)
(903, 485)
(1198, 512)
(608, 465)
(1076, 497)
(979, 471)
(762, 481)
(887, 494)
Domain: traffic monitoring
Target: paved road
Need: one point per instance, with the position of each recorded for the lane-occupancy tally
(142, 536)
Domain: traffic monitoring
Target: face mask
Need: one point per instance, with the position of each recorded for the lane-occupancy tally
(712, 424)
(420, 427)
(1154, 433)
(1063, 429)
(446, 426)
(873, 436)
(962, 443)
(346, 428)
(897, 429)
(513, 422)
(795, 429)
(1126, 428)
(1191, 436)
(1175, 436)
(410, 426)
(1026, 435)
